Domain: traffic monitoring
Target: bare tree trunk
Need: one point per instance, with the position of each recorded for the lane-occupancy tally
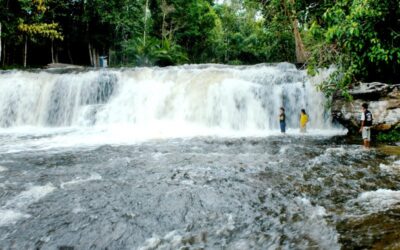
(109, 57)
(163, 28)
(226, 50)
(145, 23)
(4, 55)
(56, 55)
(70, 56)
(52, 51)
(301, 56)
(95, 57)
(90, 54)
(25, 50)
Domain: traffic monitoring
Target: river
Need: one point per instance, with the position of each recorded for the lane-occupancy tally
(185, 157)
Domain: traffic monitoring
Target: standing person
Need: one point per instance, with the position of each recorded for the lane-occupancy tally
(366, 123)
(282, 120)
(303, 121)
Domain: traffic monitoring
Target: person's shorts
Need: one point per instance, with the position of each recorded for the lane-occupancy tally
(366, 133)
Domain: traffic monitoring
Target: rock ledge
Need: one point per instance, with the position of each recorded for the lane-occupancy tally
(383, 100)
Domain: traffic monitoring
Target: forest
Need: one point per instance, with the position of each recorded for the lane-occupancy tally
(361, 38)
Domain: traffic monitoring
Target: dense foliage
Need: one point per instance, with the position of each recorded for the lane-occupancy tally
(133, 32)
(391, 136)
(360, 37)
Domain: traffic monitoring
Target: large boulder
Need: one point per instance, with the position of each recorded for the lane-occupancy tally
(383, 100)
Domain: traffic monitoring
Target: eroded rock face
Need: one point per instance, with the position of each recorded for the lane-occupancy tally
(383, 100)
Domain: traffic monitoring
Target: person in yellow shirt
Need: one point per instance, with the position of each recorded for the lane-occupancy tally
(303, 121)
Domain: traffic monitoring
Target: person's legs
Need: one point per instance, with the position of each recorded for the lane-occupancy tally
(283, 127)
(366, 135)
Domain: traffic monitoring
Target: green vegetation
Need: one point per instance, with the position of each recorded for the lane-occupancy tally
(392, 136)
(360, 37)
(134, 32)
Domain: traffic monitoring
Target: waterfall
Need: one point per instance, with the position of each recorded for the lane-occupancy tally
(235, 98)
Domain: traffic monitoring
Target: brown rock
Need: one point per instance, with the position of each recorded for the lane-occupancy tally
(383, 127)
(384, 104)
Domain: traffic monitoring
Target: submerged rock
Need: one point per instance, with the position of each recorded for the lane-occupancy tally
(383, 100)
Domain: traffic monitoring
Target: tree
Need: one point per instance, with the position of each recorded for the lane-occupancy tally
(34, 11)
(361, 37)
(239, 35)
(283, 15)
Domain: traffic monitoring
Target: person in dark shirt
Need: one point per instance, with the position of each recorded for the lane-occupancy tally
(366, 123)
(282, 120)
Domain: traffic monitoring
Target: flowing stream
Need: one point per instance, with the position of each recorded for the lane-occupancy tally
(186, 157)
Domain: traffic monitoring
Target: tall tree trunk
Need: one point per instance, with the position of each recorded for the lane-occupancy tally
(4, 55)
(56, 55)
(145, 22)
(163, 28)
(69, 54)
(52, 51)
(109, 57)
(95, 57)
(90, 54)
(25, 50)
(301, 56)
(226, 49)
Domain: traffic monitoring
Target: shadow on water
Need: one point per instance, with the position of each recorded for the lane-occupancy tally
(279, 192)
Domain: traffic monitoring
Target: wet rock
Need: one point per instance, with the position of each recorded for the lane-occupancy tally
(383, 127)
(383, 100)
(379, 230)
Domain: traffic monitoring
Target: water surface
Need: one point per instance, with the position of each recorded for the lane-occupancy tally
(277, 192)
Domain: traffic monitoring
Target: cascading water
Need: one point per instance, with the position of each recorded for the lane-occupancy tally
(185, 157)
(243, 99)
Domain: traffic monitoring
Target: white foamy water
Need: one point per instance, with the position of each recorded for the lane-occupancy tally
(316, 226)
(30, 196)
(79, 180)
(379, 200)
(132, 105)
(394, 167)
(2, 169)
(11, 216)
(11, 211)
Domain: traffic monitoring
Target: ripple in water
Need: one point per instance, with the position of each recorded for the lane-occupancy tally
(288, 192)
